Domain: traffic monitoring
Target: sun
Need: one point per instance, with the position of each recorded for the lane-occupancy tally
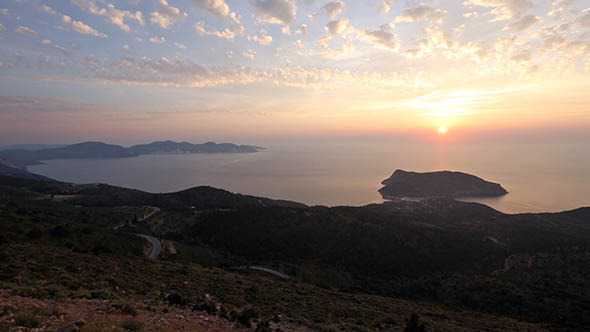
(442, 129)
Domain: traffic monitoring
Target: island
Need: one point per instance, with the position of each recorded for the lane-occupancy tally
(438, 184)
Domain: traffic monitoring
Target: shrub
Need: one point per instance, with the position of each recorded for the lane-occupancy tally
(126, 308)
(26, 319)
(132, 325)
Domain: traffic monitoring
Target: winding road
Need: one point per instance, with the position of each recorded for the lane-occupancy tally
(156, 245)
(271, 271)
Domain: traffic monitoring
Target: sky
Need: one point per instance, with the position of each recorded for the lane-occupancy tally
(141, 70)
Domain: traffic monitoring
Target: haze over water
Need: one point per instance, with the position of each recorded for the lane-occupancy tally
(539, 177)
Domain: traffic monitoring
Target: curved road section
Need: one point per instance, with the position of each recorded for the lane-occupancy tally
(271, 271)
(156, 245)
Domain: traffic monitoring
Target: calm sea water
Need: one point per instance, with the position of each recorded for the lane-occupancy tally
(539, 177)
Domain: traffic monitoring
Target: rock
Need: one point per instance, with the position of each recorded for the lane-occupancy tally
(438, 184)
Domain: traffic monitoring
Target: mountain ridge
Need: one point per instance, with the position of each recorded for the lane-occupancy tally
(93, 149)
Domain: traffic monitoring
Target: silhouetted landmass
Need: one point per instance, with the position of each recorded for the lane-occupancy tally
(22, 157)
(356, 268)
(32, 147)
(437, 184)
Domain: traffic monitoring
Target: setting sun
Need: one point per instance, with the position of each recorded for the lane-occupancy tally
(442, 129)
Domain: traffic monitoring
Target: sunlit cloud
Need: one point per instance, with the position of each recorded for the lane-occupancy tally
(166, 15)
(276, 11)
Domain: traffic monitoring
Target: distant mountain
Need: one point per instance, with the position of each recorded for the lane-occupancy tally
(24, 157)
(185, 147)
(436, 184)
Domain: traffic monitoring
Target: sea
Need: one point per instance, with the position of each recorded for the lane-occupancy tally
(540, 177)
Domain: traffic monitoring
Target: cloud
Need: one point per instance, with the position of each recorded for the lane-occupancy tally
(337, 27)
(26, 30)
(48, 10)
(560, 6)
(113, 15)
(382, 38)
(386, 6)
(334, 8)
(216, 7)
(235, 28)
(166, 72)
(522, 57)
(57, 47)
(262, 39)
(421, 13)
(80, 27)
(2, 28)
(584, 20)
(180, 45)
(302, 30)
(158, 40)
(276, 11)
(502, 9)
(166, 15)
(249, 54)
(524, 23)
(347, 48)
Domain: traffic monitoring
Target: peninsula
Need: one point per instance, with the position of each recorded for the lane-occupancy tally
(22, 157)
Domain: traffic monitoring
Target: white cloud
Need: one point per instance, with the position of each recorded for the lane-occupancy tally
(276, 11)
(522, 57)
(249, 54)
(382, 38)
(347, 48)
(166, 15)
(262, 39)
(48, 9)
(180, 45)
(235, 28)
(584, 20)
(26, 30)
(337, 27)
(334, 8)
(302, 30)
(57, 47)
(421, 13)
(525, 23)
(2, 28)
(386, 6)
(169, 72)
(216, 7)
(113, 15)
(502, 9)
(80, 27)
(158, 40)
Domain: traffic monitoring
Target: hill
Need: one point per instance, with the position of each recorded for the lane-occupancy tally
(459, 266)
